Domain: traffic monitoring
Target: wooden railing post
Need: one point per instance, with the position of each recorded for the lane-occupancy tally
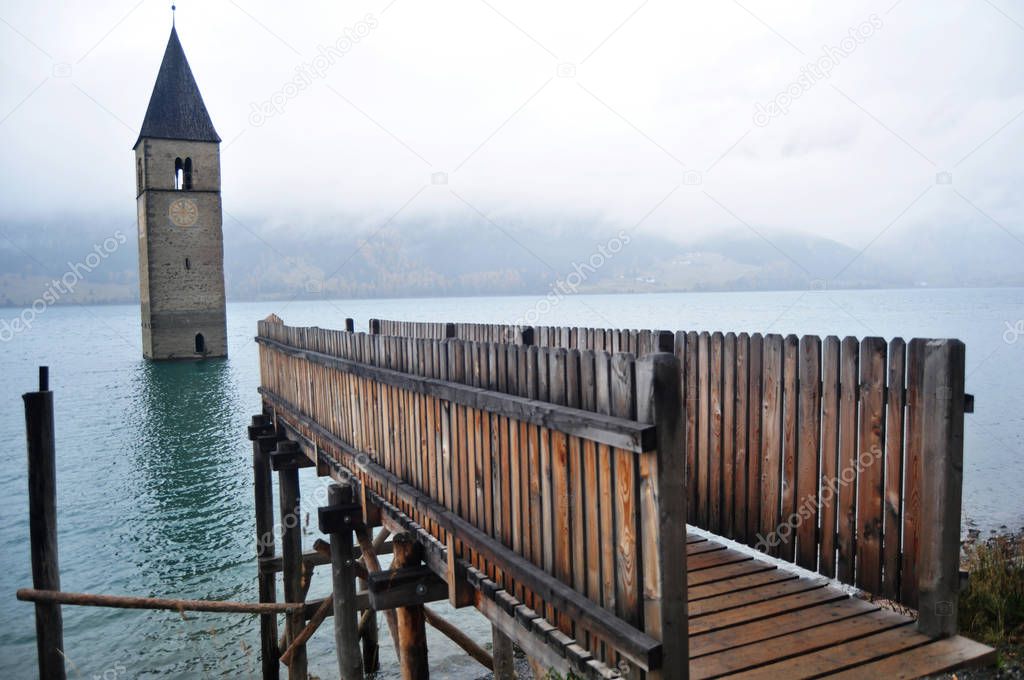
(42, 525)
(941, 471)
(350, 325)
(291, 554)
(374, 326)
(340, 524)
(663, 512)
(263, 441)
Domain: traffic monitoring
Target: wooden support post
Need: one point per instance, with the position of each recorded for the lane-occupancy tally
(291, 555)
(350, 325)
(374, 326)
(343, 570)
(526, 338)
(941, 471)
(370, 550)
(449, 330)
(501, 651)
(263, 441)
(42, 525)
(663, 513)
(412, 636)
(369, 636)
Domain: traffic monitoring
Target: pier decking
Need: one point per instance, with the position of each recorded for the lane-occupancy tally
(752, 619)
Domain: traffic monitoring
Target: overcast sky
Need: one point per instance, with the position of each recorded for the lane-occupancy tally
(538, 110)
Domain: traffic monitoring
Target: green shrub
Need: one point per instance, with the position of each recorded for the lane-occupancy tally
(992, 606)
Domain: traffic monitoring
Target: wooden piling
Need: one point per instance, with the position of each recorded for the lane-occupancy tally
(263, 441)
(42, 508)
(501, 651)
(346, 615)
(291, 554)
(941, 470)
(412, 636)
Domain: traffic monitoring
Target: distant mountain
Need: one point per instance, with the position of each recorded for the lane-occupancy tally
(424, 258)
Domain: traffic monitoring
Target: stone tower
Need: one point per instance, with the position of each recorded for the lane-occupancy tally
(181, 243)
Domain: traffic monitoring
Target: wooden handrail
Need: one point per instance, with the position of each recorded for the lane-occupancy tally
(620, 433)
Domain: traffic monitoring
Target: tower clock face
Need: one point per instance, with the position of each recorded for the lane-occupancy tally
(183, 212)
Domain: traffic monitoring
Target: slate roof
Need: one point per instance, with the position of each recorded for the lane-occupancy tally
(176, 109)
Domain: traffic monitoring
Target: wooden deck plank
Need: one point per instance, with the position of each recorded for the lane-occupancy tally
(751, 596)
(726, 571)
(841, 657)
(714, 559)
(739, 583)
(763, 610)
(777, 626)
(699, 547)
(938, 657)
(822, 637)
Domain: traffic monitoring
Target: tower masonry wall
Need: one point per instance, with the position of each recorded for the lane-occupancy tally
(181, 252)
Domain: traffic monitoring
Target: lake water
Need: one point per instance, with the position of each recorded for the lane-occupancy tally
(154, 469)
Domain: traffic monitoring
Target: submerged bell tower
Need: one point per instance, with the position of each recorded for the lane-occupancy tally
(181, 241)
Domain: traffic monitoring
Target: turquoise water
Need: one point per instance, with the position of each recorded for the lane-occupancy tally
(154, 477)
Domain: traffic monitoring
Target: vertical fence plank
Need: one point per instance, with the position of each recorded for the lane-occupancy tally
(914, 464)
(588, 401)
(809, 445)
(692, 406)
(893, 505)
(728, 436)
(871, 464)
(829, 456)
(846, 511)
(714, 444)
(627, 594)
(703, 479)
(754, 435)
(740, 444)
(606, 484)
(771, 442)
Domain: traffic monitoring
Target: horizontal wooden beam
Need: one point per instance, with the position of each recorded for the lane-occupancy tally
(312, 558)
(405, 587)
(177, 605)
(620, 433)
(362, 604)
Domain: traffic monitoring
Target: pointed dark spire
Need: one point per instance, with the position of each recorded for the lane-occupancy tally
(176, 109)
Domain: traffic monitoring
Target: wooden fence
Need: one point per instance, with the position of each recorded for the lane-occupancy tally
(540, 467)
(813, 450)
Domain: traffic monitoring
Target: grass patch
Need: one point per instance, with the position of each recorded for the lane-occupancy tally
(992, 606)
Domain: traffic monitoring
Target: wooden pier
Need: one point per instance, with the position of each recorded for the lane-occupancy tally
(616, 503)
(547, 476)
